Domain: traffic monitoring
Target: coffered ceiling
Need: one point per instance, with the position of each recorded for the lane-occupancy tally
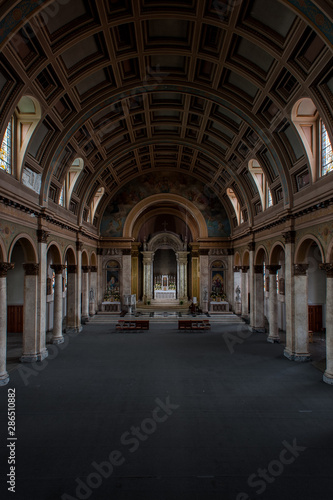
(192, 87)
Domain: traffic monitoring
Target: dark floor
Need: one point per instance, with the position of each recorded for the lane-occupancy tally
(237, 408)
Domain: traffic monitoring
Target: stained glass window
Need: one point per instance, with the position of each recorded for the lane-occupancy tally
(62, 198)
(269, 198)
(6, 150)
(326, 152)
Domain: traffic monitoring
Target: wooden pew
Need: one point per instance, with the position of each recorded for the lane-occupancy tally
(193, 324)
(136, 324)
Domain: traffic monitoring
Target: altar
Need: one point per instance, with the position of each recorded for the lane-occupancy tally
(165, 294)
(165, 287)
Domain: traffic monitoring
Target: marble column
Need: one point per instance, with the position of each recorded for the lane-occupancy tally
(237, 302)
(328, 375)
(230, 279)
(273, 313)
(204, 278)
(127, 272)
(57, 336)
(245, 296)
(195, 274)
(259, 317)
(30, 336)
(301, 313)
(182, 275)
(148, 259)
(135, 269)
(100, 287)
(42, 352)
(4, 268)
(251, 248)
(85, 292)
(93, 291)
(72, 323)
(78, 298)
(289, 351)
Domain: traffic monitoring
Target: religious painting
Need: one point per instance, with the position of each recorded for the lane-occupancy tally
(218, 282)
(112, 279)
(192, 189)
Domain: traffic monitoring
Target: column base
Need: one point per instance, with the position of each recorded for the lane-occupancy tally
(28, 358)
(255, 329)
(42, 355)
(288, 354)
(58, 340)
(302, 358)
(273, 340)
(4, 379)
(74, 330)
(328, 378)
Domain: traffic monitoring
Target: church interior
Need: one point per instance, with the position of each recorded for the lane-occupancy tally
(167, 165)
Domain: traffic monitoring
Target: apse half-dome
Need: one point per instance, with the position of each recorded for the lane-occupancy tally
(191, 189)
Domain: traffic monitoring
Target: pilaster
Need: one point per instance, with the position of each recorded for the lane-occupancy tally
(328, 375)
(4, 268)
(273, 320)
(57, 336)
(30, 335)
(301, 313)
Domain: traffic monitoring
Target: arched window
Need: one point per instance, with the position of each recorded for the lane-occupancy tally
(69, 182)
(315, 137)
(234, 200)
(6, 149)
(326, 152)
(94, 204)
(262, 185)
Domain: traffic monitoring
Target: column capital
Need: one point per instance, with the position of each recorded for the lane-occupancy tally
(236, 269)
(72, 269)
(258, 269)
(93, 269)
(300, 269)
(99, 251)
(245, 269)
(230, 251)
(58, 268)
(42, 235)
(79, 246)
(4, 267)
(289, 236)
(328, 268)
(31, 269)
(251, 246)
(126, 251)
(85, 269)
(273, 269)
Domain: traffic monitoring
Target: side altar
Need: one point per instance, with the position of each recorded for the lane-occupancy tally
(164, 287)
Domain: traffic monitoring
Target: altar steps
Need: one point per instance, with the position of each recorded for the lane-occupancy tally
(167, 317)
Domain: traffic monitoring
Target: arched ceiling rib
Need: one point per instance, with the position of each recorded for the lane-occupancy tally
(188, 86)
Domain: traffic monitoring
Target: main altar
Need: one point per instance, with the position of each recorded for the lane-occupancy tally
(164, 287)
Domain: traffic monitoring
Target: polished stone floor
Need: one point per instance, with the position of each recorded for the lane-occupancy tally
(215, 415)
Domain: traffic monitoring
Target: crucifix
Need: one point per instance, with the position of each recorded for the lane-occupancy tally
(164, 224)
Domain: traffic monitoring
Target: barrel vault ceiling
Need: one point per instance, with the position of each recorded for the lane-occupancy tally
(198, 87)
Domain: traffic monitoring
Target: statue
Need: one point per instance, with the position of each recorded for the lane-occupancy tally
(91, 295)
(238, 293)
(185, 243)
(205, 293)
(145, 246)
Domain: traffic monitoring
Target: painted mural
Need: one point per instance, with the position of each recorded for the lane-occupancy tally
(193, 190)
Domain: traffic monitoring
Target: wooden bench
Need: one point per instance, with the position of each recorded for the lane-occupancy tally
(137, 324)
(191, 324)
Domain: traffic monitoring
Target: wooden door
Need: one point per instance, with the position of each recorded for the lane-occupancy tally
(315, 318)
(15, 319)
